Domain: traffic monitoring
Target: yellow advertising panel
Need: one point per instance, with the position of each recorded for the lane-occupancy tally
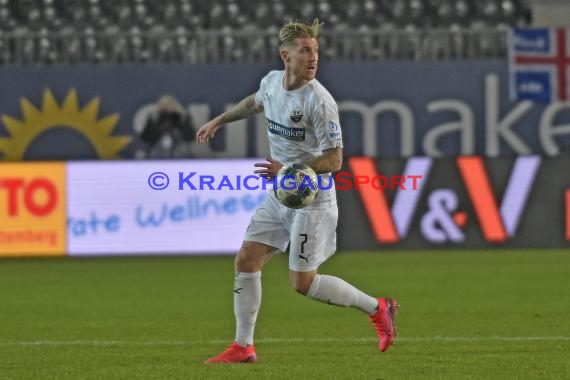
(32, 209)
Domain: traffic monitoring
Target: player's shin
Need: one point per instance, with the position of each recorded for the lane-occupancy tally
(247, 299)
(335, 291)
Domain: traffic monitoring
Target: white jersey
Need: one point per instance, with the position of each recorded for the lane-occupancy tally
(301, 124)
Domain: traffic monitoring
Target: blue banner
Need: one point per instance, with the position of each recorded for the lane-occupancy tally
(388, 109)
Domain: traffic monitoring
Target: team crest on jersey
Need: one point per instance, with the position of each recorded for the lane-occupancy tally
(296, 114)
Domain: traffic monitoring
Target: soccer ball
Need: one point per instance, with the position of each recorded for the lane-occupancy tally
(296, 185)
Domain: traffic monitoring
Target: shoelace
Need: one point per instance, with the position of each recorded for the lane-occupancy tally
(378, 325)
(394, 310)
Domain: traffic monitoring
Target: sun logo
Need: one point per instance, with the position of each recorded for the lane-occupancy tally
(69, 115)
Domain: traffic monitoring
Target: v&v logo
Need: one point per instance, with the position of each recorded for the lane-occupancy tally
(498, 224)
(443, 221)
(391, 224)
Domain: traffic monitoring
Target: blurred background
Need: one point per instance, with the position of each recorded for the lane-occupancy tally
(45, 32)
(97, 95)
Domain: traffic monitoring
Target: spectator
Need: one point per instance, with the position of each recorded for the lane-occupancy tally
(167, 132)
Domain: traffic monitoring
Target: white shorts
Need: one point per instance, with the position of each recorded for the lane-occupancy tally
(311, 232)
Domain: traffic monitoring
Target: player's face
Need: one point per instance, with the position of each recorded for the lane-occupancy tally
(303, 58)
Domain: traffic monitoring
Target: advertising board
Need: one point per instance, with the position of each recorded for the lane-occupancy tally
(114, 209)
(32, 209)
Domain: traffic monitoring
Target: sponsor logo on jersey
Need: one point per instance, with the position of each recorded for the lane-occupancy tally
(296, 114)
(290, 133)
(334, 130)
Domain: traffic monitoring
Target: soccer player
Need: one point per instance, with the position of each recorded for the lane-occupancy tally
(303, 126)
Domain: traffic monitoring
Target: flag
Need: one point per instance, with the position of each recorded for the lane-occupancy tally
(539, 61)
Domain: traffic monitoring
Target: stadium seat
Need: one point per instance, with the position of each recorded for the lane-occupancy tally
(52, 31)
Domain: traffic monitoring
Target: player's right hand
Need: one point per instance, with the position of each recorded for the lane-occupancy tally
(268, 170)
(207, 132)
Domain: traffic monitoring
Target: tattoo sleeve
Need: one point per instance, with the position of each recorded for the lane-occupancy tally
(242, 110)
(329, 161)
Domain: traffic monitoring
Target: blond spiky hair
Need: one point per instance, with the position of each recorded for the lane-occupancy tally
(292, 30)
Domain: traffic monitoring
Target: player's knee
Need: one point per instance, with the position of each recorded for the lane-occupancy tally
(301, 281)
(250, 258)
(243, 263)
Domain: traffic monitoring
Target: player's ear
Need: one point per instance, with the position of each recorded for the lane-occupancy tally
(284, 55)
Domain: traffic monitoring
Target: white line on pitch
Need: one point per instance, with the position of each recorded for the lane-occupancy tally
(283, 340)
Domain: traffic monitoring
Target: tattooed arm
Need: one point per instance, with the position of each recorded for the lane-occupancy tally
(329, 161)
(247, 107)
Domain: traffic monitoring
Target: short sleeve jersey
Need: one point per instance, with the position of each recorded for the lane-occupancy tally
(301, 124)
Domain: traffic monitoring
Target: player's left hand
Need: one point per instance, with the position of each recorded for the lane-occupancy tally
(268, 170)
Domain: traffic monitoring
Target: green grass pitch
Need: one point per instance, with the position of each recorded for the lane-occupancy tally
(495, 314)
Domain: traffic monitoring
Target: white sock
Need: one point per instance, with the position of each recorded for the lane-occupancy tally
(335, 291)
(247, 299)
